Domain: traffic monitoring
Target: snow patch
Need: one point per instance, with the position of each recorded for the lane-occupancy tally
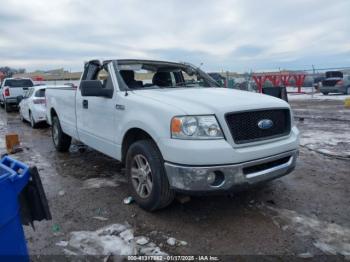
(330, 238)
(142, 240)
(317, 96)
(100, 218)
(173, 241)
(62, 243)
(99, 183)
(326, 142)
(115, 239)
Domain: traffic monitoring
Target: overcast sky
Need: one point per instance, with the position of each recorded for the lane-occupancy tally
(223, 35)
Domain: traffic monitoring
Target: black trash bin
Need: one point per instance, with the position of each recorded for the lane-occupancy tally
(276, 91)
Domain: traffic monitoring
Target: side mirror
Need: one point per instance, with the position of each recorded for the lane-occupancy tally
(94, 88)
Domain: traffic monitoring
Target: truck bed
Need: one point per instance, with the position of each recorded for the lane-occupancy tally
(63, 100)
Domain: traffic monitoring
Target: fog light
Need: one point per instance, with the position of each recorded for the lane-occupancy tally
(216, 178)
(211, 178)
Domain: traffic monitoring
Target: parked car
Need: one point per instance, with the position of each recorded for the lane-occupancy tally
(173, 136)
(12, 91)
(335, 82)
(32, 108)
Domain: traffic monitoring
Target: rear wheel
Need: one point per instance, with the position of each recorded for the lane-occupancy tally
(148, 182)
(325, 93)
(61, 140)
(33, 124)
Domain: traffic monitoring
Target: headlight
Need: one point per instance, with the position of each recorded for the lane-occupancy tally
(195, 127)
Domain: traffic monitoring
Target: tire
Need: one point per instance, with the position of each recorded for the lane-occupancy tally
(325, 93)
(60, 140)
(33, 124)
(7, 107)
(160, 195)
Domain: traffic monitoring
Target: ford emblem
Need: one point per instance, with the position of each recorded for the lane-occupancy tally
(265, 124)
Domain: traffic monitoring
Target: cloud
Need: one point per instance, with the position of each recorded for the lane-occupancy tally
(224, 35)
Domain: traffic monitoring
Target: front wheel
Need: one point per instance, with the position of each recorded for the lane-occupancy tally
(148, 182)
(61, 140)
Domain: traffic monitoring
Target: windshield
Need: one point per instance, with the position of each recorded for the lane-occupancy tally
(150, 75)
(18, 83)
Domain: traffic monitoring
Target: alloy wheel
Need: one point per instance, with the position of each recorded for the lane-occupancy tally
(141, 176)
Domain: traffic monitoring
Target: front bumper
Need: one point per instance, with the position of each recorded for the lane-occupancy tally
(229, 177)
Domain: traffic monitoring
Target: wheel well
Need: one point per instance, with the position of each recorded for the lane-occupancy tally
(132, 136)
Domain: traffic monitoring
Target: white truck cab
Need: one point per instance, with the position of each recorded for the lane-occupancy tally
(174, 128)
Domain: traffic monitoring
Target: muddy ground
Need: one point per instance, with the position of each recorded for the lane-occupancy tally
(304, 214)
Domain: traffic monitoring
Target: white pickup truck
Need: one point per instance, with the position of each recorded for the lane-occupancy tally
(174, 128)
(12, 91)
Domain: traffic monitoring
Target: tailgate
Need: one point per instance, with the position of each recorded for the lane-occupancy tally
(17, 91)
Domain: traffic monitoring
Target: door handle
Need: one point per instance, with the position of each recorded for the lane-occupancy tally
(85, 103)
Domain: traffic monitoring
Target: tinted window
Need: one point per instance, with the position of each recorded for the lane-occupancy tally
(18, 83)
(40, 93)
(332, 74)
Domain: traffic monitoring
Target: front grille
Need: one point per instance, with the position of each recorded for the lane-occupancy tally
(264, 166)
(244, 125)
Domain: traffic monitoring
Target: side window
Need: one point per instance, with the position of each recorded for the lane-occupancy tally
(40, 93)
(102, 75)
(173, 81)
(194, 80)
(105, 78)
(144, 76)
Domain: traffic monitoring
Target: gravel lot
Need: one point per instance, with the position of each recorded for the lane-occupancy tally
(304, 214)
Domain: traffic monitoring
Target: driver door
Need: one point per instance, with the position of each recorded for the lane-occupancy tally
(96, 116)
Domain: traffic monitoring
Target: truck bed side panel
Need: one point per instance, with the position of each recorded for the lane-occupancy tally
(62, 100)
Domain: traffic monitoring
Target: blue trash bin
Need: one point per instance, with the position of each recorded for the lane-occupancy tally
(14, 176)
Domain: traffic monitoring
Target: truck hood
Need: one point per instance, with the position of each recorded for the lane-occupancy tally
(211, 100)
